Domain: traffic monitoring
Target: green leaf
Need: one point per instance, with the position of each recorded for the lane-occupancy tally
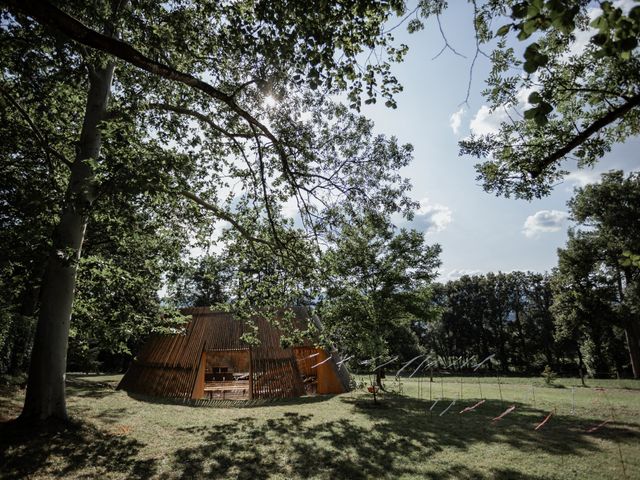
(541, 119)
(415, 25)
(534, 98)
(545, 108)
(599, 39)
(519, 10)
(529, 26)
(628, 44)
(530, 67)
(531, 51)
(503, 30)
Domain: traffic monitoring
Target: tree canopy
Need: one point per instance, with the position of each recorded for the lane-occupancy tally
(377, 287)
(155, 118)
(597, 285)
(133, 132)
(580, 99)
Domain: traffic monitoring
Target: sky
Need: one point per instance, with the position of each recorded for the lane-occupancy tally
(478, 231)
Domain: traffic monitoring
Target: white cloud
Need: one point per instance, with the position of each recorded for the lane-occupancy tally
(456, 274)
(625, 5)
(486, 122)
(544, 221)
(306, 116)
(584, 36)
(455, 120)
(290, 208)
(269, 102)
(523, 96)
(582, 178)
(432, 217)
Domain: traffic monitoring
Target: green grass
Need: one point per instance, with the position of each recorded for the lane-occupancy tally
(340, 437)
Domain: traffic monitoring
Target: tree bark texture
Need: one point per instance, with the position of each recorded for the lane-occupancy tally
(45, 397)
(632, 333)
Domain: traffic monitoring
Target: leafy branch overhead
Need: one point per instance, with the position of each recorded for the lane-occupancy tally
(580, 99)
(279, 158)
(104, 101)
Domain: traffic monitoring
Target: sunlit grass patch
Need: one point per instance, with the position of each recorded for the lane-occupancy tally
(115, 435)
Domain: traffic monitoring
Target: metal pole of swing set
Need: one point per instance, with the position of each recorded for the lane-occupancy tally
(487, 359)
(250, 374)
(419, 378)
(373, 387)
(533, 394)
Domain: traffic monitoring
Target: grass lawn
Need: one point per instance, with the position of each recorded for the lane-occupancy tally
(339, 437)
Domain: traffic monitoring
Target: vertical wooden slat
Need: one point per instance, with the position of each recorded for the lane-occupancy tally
(169, 365)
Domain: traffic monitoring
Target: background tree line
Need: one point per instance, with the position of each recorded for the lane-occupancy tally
(375, 290)
(108, 183)
(513, 315)
(583, 317)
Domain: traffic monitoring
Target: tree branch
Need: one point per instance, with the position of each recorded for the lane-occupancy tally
(446, 41)
(200, 116)
(34, 128)
(263, 182)
(582, 137)
(203, 118)
(51, 16)
(222, 215)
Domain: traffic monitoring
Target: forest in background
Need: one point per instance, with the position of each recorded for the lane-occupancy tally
(379, 297)
(131, 131)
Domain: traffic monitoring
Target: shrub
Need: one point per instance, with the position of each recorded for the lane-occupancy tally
(548, 375)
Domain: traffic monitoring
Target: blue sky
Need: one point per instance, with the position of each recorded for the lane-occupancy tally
(478, 231)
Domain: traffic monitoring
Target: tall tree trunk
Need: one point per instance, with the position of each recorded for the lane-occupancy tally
(502, 353)
(633, 344)
(524, 355)
(45, 398)
(581, 366)
(549, 329)
(631, 328)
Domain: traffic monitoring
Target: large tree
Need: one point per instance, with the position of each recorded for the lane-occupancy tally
(376, 287)
(147, 73)
(609, 213)
(582, 305)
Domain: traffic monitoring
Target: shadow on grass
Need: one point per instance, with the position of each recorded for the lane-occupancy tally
(79, 386)
(217, 403)
(399, 440)
(563, 434)
(9, 407)
(64, 450)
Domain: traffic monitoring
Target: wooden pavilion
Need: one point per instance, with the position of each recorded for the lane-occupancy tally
(210, 360)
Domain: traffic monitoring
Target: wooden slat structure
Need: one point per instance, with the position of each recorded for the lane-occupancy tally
(211, 360)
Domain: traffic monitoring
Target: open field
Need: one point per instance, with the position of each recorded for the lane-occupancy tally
(344, 436)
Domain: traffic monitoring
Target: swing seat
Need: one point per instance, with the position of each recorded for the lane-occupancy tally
(372, 389)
